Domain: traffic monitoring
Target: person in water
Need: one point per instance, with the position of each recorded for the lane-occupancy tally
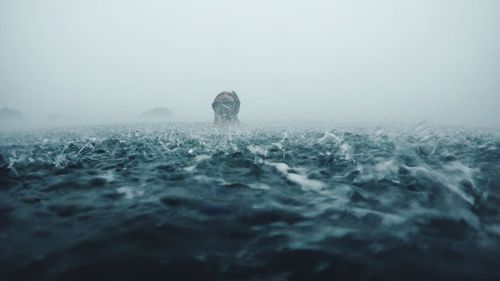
(226, 107)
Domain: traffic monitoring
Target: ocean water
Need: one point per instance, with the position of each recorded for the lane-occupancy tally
(276, 202)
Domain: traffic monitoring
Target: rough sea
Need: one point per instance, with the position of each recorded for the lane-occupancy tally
(189, 201)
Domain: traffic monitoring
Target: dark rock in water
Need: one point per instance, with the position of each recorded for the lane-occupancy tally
(10, 114)
(159, 113)
(226, 107)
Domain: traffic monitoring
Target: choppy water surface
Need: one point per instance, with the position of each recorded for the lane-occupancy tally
(189, 201)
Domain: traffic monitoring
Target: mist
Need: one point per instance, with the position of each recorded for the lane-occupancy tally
(340, 61)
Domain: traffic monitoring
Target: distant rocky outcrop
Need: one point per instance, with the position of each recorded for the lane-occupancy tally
(7, 114)
(159, 113)
(58, 117)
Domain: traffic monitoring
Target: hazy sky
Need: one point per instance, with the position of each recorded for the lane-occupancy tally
(347, 61)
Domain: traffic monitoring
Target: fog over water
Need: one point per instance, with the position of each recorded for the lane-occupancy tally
(344, 61)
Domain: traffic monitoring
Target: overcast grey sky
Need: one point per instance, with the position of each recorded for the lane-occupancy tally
(347, 61)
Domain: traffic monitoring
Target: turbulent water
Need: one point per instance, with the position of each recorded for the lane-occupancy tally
(194, 202)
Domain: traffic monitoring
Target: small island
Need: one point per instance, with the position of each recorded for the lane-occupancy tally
(157, 114)
(57, 117)
(7, 114)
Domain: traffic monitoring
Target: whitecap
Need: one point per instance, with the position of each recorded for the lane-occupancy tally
(346, 151)
(329, 138)
(129, 192)
(305, 182)
(108, 176)
(258, 185)
(300, 179)
(257, 150)
(197, 159)
(387, 218)
(201, 157)
(454, 173)
(281, 167)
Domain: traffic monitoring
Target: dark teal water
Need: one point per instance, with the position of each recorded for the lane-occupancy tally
(193, 202)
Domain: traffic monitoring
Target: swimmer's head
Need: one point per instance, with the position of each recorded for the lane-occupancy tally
(226, 107)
